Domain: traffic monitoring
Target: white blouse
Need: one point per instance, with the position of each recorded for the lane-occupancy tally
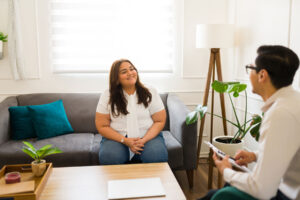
(138, 121)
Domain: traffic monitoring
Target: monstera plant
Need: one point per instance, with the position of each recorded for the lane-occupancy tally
(233, 89)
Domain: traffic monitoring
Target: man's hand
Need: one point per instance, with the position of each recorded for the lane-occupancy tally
(222, 164)
(244, 157)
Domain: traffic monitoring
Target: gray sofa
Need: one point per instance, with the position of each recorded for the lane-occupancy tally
(81, 147)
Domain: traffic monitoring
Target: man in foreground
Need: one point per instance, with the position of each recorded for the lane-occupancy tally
(276, 174)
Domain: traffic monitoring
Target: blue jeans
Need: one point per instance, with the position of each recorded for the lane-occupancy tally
(113, 153)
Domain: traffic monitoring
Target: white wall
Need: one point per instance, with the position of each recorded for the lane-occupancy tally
(258, 23)
(187, 81)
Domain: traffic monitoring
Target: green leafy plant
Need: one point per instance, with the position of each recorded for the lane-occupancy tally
(3, 37)
(39, 154)
(233, 89)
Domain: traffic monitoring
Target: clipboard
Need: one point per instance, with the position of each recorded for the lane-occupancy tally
(221, 154)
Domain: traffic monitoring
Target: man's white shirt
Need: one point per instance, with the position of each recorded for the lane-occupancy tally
(278, 155)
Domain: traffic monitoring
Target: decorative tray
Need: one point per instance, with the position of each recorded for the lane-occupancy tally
(26, 177)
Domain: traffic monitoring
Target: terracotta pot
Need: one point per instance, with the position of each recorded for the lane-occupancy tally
(38, 169)
(228, 148)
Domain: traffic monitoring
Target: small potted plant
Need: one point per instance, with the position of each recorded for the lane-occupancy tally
(39, 164)
(3, 38)
(230, 144)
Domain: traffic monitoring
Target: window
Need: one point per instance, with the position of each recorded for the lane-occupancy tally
(88, 35)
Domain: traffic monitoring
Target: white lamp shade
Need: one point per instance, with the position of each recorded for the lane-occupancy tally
(215, 36)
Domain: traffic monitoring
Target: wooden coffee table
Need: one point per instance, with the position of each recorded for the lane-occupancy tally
(90, 182)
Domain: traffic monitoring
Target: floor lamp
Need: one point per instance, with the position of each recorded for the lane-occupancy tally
(213, 37)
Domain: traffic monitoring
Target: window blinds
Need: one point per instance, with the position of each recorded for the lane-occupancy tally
(88, 35)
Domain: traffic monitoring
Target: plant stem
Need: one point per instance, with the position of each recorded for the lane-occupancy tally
(224, 118)
(237, 120)
(236, 135)
(246, 110)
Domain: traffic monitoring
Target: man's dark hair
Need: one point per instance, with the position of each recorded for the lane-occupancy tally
(280, 62)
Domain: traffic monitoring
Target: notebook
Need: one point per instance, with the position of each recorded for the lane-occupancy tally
(134, 188)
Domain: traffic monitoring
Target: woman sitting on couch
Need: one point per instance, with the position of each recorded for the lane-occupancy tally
(130, 118)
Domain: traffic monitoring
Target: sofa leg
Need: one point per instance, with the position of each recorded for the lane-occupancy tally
(190, 176)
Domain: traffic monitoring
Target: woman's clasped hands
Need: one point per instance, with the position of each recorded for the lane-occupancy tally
(136, 145)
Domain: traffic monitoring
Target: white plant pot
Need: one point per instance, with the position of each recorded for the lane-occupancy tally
(1, 49)
(229, 149)
(38, 169)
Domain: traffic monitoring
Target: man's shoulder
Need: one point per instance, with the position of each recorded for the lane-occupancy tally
(288, 104)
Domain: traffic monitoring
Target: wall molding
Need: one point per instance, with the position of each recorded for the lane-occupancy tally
(172, 92)
(242, 79)
(193, 77)
(256, 98)
(289, 24)
(204, 154)
(243, 110)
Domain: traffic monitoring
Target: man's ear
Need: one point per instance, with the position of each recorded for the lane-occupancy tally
(263, 75)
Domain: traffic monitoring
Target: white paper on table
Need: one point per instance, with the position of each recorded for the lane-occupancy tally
(132, 188)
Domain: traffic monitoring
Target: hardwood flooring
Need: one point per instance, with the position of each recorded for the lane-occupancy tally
(200, 181)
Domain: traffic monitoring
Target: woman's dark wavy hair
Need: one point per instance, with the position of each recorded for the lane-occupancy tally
(117, 99)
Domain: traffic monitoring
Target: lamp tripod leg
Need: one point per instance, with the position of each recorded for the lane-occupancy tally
(206, 94)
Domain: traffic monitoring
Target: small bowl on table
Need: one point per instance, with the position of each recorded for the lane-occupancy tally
(12, 177)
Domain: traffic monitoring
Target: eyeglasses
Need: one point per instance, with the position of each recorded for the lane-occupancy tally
(250, 67)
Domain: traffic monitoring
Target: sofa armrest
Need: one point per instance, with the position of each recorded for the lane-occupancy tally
(4, 118)
(185, 134)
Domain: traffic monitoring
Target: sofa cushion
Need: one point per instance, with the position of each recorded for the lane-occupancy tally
(164, 97)
(50, 120)
(77, 150)
(175, 151)
(20, 123)
(80, 107)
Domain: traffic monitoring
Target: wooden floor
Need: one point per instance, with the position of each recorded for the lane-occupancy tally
(200, 181)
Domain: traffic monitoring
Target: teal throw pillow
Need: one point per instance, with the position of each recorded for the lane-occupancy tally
(20, 123)
(50, 120)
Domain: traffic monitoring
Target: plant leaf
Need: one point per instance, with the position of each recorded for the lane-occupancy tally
(235, 94)
(191, 118)
(50, 152)
(236, 88)
(254, 131)
(202, 110)
(219, 86)
(42, 150)
(29, 152)
(48, 146)
(256, 119)
(199, 107)
(242, 87)
(29, 145)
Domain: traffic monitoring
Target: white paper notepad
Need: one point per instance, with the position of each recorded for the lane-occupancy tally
(132, 188)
